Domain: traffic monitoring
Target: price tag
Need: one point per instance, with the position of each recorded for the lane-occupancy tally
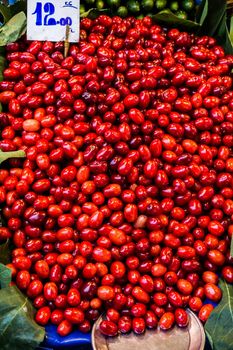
(48, 20)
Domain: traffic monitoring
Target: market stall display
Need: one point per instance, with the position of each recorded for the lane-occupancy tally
(124, 202)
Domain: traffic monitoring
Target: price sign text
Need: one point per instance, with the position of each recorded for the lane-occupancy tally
(47, 20)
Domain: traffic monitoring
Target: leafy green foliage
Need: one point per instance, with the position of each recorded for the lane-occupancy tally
(223, 36)
(13, 29)
(214, 16)
(5, 12)
(168, 18)
(202, 12)
(213, 20)
(5, 276)
(18, 330)
(219, 325)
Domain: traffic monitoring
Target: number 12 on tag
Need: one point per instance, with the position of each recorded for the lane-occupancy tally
(48, 20)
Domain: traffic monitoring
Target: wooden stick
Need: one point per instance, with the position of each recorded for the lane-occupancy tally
(67, 44)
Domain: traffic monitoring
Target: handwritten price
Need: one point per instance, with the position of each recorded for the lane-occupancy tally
(49, 10)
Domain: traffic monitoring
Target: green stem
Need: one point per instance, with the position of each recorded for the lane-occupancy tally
(14, 154)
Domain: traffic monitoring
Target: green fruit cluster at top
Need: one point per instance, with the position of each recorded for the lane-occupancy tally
(184, 9)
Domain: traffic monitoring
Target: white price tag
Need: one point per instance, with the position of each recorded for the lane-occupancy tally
(48, 20)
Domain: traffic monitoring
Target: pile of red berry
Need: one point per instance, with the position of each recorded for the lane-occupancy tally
(124, 202)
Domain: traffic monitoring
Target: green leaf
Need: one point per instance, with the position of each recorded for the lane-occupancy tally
(5, 276)
(202, 12)
(13, 29)
(18, 330)
(231, 29)
(219, 325)
(209, 339)
(5, 253)
(212, 16)
(223, 37)
(168, 18)
(93, 13)
(212, 21)
(14, 154)
(5, 12)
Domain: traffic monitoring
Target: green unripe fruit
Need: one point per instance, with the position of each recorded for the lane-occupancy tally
(99, 4)
(122, 11)
(174, 6)
(133, 6)
(113, 3)
(188, 5)
(82, 9)
(181, 14)
(161, 4)
(147, 5)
